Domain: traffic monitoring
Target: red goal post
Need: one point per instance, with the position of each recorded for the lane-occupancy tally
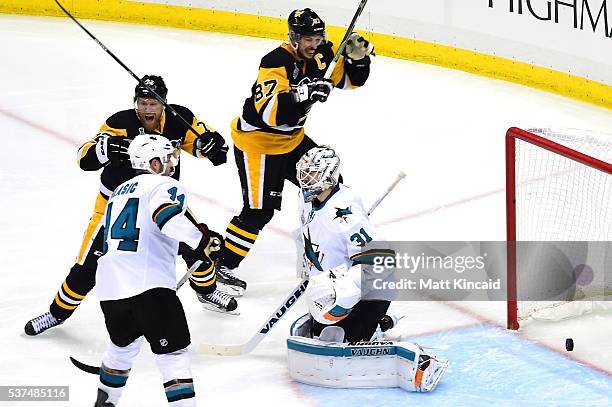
(542, 141)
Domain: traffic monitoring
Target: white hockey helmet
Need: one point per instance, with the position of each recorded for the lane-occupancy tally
(146, 147)
(317, 171)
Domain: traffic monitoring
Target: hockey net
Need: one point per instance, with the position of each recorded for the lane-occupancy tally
(559, 189)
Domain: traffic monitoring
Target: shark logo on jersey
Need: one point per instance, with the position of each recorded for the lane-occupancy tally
(306, 221)
(342, 214)
(313, 257)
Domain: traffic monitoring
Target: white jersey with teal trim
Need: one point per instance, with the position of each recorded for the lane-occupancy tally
(144, 223)
(334, 231)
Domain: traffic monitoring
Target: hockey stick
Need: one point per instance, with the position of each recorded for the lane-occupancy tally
(124, 66)
(347, 34)
(85, 367)
(281, 311)
(390, 188)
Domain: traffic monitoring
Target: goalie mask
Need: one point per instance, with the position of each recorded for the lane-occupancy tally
(317, 171)
(146, 147)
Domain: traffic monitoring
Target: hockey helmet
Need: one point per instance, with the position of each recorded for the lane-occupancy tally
(305, 22)
(156, 83)
(317, 171)
(146, 147)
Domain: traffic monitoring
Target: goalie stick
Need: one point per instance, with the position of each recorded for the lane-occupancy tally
(281, 311)
(124, 66)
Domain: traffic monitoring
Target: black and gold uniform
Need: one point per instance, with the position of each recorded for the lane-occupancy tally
(126, 123)
(269, 135)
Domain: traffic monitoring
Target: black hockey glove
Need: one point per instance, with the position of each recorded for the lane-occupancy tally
(357, 48)
(211, 241)
(207, 248)
(212, 146)
(316, 91)
(112, 148)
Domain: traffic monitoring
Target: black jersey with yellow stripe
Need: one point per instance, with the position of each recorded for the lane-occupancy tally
(271, 122)
(126, 124)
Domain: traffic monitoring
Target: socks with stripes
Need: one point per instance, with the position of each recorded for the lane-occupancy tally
(239, 238)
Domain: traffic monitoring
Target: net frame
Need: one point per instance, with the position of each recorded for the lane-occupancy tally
(512, 135)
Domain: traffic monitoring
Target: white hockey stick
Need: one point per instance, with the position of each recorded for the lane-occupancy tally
(281, 311)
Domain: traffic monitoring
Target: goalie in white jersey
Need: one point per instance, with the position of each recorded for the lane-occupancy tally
(136, 278)
(331, 345)
(335, 229)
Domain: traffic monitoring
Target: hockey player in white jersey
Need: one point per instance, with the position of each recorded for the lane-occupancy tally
(136, 278)
(337, 233)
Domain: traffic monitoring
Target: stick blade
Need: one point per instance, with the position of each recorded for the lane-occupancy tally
(220, 350)
(84, 367)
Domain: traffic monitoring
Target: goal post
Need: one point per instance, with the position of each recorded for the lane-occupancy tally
(558, 188)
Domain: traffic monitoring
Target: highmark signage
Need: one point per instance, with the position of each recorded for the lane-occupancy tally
(581, 14)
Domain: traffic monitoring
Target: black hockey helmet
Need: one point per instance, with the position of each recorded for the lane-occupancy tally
(305, 22)
(154, 82)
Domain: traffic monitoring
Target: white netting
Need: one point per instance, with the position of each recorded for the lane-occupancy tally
(558, 199)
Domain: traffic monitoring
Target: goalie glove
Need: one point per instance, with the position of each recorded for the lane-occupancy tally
(111, 148)
(211, 145)
(316, 91)
(332, 294)
(357, 48)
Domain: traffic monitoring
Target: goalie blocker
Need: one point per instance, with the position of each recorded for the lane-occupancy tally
(363, 364)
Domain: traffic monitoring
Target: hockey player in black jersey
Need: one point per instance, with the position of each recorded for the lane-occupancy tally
(108, 151)
(269, 135)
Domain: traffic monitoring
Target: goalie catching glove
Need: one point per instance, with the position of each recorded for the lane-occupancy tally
(111, 148)
(316, 91)
(331, 295)
(211, 145)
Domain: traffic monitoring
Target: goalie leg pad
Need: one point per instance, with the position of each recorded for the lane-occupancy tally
(364, 364)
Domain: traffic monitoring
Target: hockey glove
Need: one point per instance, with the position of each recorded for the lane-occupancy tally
(211, 241)
(357, 48)
(317, 91)
(212, 146)
(111, 148)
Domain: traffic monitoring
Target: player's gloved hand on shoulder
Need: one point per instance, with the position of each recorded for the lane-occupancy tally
(316, 91)
(357, 48)
(111, 148)
(212, 145)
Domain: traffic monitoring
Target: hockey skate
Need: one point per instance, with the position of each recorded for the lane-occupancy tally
(41, 323)
(430, 371)
(228, 283)
(220, 302)
(101, 400)
(302, 326)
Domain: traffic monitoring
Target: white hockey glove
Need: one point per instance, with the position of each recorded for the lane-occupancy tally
(331, 295)
(111, 148)
(317, 91)
(357, 47)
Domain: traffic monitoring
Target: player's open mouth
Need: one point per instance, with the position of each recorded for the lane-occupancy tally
(149, 117)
